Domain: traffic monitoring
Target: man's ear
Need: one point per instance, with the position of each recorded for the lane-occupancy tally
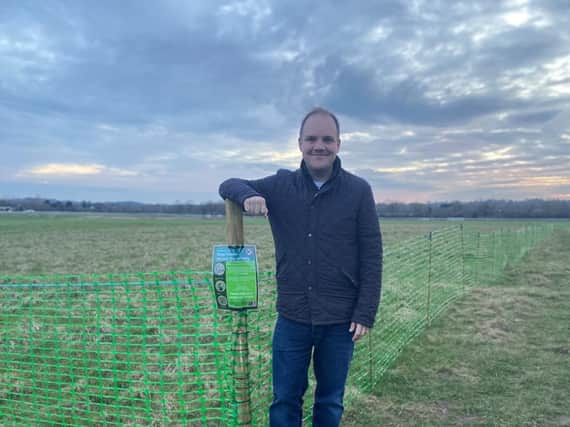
(299, 141)
(339, 144)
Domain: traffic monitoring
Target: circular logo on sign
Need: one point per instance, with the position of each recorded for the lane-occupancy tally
(220, 286)
(222, 300)
(219, 268)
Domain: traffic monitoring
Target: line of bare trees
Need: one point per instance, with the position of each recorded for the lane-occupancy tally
(531, 208)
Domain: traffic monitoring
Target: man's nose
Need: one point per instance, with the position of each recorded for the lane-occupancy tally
(319, 143)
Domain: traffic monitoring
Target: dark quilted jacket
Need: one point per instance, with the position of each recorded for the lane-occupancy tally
(328, 246)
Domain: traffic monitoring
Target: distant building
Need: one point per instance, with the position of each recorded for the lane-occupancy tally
(6, 209)
(456, 218)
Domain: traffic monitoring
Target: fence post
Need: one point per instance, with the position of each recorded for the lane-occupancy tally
(429, 281)
(234, 224)
(462, 258)
(494, 256)
(240, 347)
(370, 361)
(477, 263)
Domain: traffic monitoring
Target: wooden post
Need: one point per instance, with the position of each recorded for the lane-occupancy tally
(234, 224)
(240, 347)
(241, 370)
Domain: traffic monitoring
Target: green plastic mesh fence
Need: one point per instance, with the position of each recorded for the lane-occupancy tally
(152, 349)
(117, 350)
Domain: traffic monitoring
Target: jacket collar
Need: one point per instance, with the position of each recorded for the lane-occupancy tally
(334, 175)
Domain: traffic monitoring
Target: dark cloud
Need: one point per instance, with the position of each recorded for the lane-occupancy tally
(538, 117)
(355, 93)
(520, 47)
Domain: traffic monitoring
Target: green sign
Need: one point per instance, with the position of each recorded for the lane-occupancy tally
(235, 277)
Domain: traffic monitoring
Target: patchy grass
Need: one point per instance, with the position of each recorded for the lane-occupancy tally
(498, 357)
(62, 244)
(120, 243)
(100, 244)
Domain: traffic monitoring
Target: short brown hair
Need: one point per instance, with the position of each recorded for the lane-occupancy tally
(320, 110)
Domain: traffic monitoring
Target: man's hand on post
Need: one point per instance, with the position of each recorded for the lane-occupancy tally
(255, 206)
(358, 329)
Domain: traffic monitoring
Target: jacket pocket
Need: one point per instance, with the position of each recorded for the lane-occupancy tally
(337, 285)
(350, 278)
(339, 307)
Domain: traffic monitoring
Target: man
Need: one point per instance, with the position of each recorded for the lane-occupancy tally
(328, 252)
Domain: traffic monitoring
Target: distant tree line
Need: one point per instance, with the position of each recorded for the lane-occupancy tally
(532, 208)
(53, 205)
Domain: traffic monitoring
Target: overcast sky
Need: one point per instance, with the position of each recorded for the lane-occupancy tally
(158, 101)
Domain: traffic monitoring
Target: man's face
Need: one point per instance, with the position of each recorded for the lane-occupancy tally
(319, 144)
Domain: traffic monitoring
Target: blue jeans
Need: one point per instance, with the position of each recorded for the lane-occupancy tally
(293, 343)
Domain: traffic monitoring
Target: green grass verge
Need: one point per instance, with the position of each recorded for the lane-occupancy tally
(498, 357)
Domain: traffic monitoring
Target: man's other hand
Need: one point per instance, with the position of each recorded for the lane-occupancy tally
(255, 206)
(359, 331)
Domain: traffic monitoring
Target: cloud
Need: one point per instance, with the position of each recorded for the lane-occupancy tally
(66, 169)
(72, 170)
(436, 99)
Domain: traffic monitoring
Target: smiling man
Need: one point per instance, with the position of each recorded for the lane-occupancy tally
(328, 251)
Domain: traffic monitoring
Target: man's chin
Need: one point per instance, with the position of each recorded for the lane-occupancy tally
(322, 161)
(319, 167)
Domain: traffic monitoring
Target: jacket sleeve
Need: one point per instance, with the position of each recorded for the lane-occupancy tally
(370, 251)
(238, 190)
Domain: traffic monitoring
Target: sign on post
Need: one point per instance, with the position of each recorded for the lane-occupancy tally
(235, 277)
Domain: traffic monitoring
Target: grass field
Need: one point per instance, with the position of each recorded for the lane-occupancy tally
(499, 357)
(102, 244)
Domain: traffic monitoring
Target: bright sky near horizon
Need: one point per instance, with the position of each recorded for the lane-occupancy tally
(159, 101)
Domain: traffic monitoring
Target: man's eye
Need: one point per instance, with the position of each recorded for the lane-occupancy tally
(328, 140)
(310, 138)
